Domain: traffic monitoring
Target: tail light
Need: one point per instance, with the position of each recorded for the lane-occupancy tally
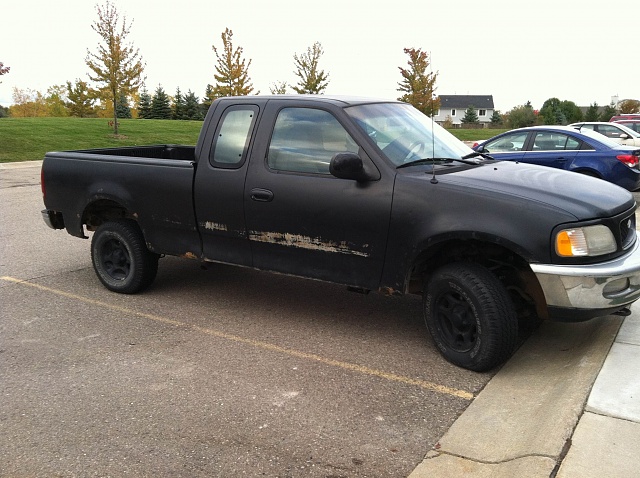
(42, 183)
(474, 145)
(628, 159)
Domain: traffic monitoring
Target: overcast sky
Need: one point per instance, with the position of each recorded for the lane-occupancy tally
(582, 51)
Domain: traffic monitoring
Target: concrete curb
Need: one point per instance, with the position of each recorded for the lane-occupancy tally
(522, 422)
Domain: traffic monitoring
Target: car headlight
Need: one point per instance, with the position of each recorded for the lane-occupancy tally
(585, 241)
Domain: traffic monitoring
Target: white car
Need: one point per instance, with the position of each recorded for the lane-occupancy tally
(616, 131)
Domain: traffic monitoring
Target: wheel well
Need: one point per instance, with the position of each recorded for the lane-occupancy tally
(104, 210)
(511, 269)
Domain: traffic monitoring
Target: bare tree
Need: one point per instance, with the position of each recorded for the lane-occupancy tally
(312, 80)
(117, 66)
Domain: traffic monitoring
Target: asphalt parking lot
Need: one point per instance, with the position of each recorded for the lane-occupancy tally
(220, 371)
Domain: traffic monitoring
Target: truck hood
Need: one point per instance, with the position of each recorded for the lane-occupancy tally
(579, 195)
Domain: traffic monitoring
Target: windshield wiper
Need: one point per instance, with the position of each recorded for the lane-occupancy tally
(476, 154)
(425, 161)
(468, 159)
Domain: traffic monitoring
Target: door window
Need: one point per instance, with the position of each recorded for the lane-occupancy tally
(507, 143)
(304, 140)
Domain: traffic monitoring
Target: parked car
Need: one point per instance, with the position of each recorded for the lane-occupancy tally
(616, 131)
(631, 124)
(564, 147)
(626, 116)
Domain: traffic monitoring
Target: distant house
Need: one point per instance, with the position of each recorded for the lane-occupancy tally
(453, 107)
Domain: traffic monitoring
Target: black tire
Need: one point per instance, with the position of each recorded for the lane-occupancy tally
(120, 257)
(470, 316)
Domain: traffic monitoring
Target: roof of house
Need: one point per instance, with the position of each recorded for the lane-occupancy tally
(464, 101)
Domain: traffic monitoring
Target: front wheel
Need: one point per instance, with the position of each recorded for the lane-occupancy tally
(120, 257)
(470, 316)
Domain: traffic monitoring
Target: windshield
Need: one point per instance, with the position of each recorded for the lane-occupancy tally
(405, 135)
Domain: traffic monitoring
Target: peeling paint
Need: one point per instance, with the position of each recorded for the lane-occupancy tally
(215, 226)
(305, 242)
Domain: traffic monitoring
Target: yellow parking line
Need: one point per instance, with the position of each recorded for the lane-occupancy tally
(434, 387)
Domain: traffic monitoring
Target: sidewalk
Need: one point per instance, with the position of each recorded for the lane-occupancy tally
(567, 405)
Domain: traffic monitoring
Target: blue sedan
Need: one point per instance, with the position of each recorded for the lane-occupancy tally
(563, 147)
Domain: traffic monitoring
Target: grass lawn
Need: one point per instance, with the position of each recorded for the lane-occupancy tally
(28, 139)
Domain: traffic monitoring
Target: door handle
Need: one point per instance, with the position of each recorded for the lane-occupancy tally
(262, 195)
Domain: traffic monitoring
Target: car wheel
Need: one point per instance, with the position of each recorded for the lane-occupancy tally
(120, 257)
(470, 316)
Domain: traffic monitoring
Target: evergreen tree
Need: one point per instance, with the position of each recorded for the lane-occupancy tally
(607, 112)
(470, 116)
(418, 85)
(192, 110)
(313, 81)
(592, 113)
(122, 107)
(232, 71)
(144, 104)
(160, 104)
(178, 106)
(207, 100)
(496, 118)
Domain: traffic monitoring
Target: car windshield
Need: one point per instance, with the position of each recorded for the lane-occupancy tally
(405, 135)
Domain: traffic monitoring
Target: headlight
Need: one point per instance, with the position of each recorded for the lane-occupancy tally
(585, 241)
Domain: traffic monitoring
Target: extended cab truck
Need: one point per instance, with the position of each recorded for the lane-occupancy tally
(366, 193)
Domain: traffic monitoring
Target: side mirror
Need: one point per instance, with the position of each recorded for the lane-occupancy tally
(348, 166)
(623, 136)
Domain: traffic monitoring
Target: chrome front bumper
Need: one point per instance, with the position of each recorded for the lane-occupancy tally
(604, 286)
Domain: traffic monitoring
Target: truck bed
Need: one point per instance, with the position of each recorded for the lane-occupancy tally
(158, 151)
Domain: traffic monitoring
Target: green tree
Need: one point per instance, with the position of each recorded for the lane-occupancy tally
(207, 100)
(607, 112)
(418, 85)
(521, 116)
(571, 111)
(117, 66)
(80, 101)
(470, 116)
(496, 118)
(551, 112)
(312, 80)
(555, 111)
(144, 104)
(56, 101)
(122, 107)
(592, 113)
(192, 110)
(232, 71)
(160, 105)
(178, 105)
(629, 106)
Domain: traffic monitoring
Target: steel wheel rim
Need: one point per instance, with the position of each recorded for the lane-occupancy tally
(456, 321)
(115, 259)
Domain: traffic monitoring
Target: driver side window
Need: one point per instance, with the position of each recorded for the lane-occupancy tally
(507, 144)
(305, 139)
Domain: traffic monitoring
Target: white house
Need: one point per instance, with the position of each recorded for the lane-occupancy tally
(453, 107)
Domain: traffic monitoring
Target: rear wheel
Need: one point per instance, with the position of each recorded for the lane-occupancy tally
(470, 316)
(120, 257)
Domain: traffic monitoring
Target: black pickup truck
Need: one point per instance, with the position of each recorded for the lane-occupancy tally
(366, 193)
